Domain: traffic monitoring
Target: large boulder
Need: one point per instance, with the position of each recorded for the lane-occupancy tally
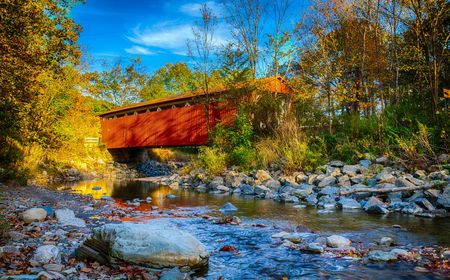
(151, 245)
(34, 214)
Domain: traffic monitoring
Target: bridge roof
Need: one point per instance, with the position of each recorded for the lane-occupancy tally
(273, 84)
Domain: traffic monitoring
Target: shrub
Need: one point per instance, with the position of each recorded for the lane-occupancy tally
(213, 159)
(245, 157)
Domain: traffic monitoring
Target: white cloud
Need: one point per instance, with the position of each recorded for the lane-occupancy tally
(170, 36)
(162, 36)
(193, 9)
(139, 50)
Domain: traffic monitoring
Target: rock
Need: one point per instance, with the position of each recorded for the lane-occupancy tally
(424, 203)
(151, 245)
(262, 175)
(329, 190)
(377, 209)
(358, 179)
(444, 199)
(16, 235)
(172, 274)
(107, 198)
(337, 241)
(303, 191)
(97, 188)
(399, 252)
(382, 160)
(385, 177)
(381, 256)
(437, 175)
(50, 275)
(261, 190)
(34, 215)
(279, 234)
(420, 174)
(66, 217)
(247, 189)
(344, 181)
(365, 163)
(228, 207)
(71, 270)
(171, 196)
(217, 181)
(412, 208)
(386, 241)
(46, 254)
(351, 170)
(223, 189)
(336, 163)
(311, 199)
(375, 206)
(446, 255)
(148, 199)
(53, 267)
(444, 158)
(326, 202)
(403, 183)
(272, 184)
(288, 198)
(8, 249)
(348, 203)
(293, 237)
(327, 181)
(201, 188)
(300, 178)
(314, 247)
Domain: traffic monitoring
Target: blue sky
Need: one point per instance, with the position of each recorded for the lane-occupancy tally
(154, 30)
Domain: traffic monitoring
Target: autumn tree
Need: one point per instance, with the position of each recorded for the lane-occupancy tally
(37, 39)
(121, 84)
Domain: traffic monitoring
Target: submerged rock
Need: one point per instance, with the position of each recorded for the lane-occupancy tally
(381, 256)
(150, 245)
(228, 207)
(337, 241)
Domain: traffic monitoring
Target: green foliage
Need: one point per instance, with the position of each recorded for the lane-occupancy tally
(213, 159)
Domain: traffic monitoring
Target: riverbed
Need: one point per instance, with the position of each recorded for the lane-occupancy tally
(258, 255)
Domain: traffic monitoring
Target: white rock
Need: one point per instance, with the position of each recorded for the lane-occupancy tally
(66, 217)
(337, 241)
(46, 254)
(34, 214)
(153, 245)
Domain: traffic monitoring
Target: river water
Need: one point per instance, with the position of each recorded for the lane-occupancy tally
(260, 256)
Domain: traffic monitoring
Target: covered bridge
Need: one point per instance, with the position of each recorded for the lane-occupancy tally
(178, 120)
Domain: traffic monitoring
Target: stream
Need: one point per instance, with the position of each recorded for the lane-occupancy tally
(259, 255)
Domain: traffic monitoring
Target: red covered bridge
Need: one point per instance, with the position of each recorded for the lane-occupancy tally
(179, 120)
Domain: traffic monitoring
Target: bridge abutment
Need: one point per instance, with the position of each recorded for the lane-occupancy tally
(129, 155)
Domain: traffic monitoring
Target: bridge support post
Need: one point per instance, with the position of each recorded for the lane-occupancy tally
(129, 155)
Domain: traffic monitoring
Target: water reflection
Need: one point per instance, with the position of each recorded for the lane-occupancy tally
(417, 230)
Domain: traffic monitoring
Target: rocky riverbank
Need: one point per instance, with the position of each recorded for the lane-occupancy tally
(47, 229)
(378, 187)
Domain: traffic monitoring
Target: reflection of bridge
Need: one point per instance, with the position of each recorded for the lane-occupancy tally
(179, 120)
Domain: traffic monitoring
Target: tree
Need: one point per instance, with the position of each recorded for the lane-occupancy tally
(121, 85)
(245, 18)
(37, 38)
(171, 79)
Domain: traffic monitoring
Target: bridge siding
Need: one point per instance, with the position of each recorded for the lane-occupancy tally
(182, 126)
